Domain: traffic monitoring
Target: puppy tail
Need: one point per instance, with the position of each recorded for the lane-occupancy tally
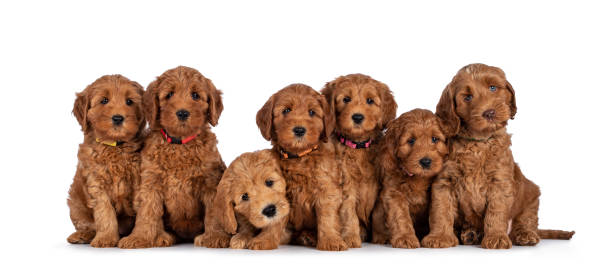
(555, 234)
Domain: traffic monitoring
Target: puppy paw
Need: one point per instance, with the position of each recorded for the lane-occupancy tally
(164, 239)
(259, 244)
(238, 242)
(439, 241)
(331, 244)
(212, 240)
(405, 241)
(81, 237)
(471, 236)
(496, 241)
(105, 240)
(353, 241)
(306, 238)
(379, 239)
(134, 241)
(525, 238)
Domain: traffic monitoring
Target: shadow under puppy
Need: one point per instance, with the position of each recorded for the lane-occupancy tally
(100, 197)
(412, 154)
(362, 106)
(181, 166)
(481, 190)
(298, 121)
(250, 206)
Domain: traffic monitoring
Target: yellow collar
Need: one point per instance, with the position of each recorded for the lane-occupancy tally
(110, 143)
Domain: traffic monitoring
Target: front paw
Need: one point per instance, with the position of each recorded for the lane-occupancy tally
(239, 242)
(212, 240)
(439, 241)
(109, 240)
(525, 238)
(81, 237)
(138, 241)
(331, 244)
(496, 241)
(471, 236)
(259, 244)
(353, 241)
(405, 241)
(306, 238)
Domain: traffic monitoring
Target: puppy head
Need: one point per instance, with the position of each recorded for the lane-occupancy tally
(111, 107)
(296, 118)
(363, 106)
(253, 187)
(182, 101)
(415, 143)
(479, 98)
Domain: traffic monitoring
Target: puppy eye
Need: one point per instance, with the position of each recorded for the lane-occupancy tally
(286, 111)
(468, 98)
(311, 112)
(269, 183)
(104, 100)
(245, 197)
(411, 141)
(195, 96)
(169, 95)
(370, 101)
(129, 102)
(492, 88)
(434, 139)
(346, 99)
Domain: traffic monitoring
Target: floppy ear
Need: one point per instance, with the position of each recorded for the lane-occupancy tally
(150, 104)
(330, 96)
(512, 100)
(265, 119)
(329, 118)
(389, 144)
(141, 115)
(81, 106)
(446, 111)
(387, 103)
(215, 105)
(225, 206)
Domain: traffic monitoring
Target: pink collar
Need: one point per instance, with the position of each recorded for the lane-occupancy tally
(354, 144)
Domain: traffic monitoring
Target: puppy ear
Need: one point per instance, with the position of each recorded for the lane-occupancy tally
(265, 119)
(215, 106)
(150, 104)
(512, 100)
(223, 204)
(141, 112)
(446, 110)
(329, 93)
(329, 118)
(388, 149)
(81, 106)
(388, 104)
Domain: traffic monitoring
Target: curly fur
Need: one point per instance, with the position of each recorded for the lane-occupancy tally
(179, 181)
(100, 198)
(481, 190)
(313, 188)
(349, 95)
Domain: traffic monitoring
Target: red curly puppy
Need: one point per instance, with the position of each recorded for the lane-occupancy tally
(481, 190)
(413, 151)
(363, 106)
(181, 165)
(298, 121)
(100, 198)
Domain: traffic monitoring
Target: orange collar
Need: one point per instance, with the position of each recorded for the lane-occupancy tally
(287, 155)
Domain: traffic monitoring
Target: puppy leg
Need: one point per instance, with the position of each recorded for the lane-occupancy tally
(499, 200)
(214, 235)
(149, 228)
(349, 220)
(398, 219)
(81, 217)
(268, 238)
(441, 217)
(525, 225)
(380, 233)
(105, 218)
(328, 221)
(244, 235)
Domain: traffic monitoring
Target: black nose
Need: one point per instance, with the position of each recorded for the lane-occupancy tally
(489, 114)
(425, 162)
(182, 114)
(117, 119)
(358, 118)
(269, 211)
(299, 131)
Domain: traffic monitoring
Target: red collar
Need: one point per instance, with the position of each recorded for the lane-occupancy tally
(174, 140)
(353, 144)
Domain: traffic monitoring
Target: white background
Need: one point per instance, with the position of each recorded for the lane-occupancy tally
(556, 55)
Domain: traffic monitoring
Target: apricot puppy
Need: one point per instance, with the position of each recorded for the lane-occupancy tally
(100, 198)
(298, 121)
(481, 189)
(412, 153)
(181, 166)
(250, 205)
(362, 106)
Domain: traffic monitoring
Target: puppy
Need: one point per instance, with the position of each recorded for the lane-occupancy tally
(412, 153)
(181, 166)
(250, 204)
(100, 198)
(362, 107)
(481, 189)
(298, 121)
